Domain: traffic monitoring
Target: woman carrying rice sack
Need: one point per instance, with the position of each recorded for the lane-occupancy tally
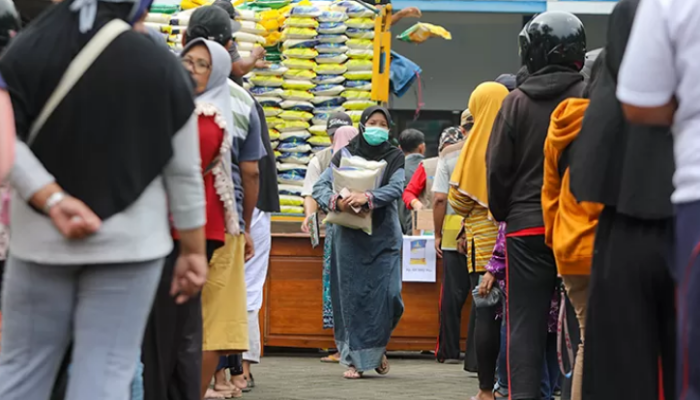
(366, 270)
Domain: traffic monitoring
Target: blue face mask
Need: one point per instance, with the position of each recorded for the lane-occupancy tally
(375, 135)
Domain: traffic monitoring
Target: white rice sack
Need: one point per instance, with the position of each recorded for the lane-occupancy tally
(328, 101)
(300, 75)
(245, 46)
(360, 33)
(355, 115)
(329, 79)
(298, 84)
(332, 38)
(272, 111)
(266, 92)
(318, 130)
(359, 105)
(358, 11)
(293, 148)
(361, 54)
(328, 90)
(328, 110)
(320, 119)
(272, 69)
(295, 135)
(332, 16)
(359, 65)
(290, 178)
(331, 58)
(355, 180)
(289, 200)
(267, 80)
(297, 105)
(299, 44)
(249, 15)
(300, 22)
(269, 101)
(252, 27)
(360, 23)
(305, 11)
(283, 167)
(360, 44)
(297, 95)
(158, 18)
(295, 158)
(299, 33)
(292, 209)
(331, 48)
(330, 69)
(289, 115)
(291, 126)
(359, 85)
(319, 141)
(358, 162)
(290, 190)
(248, 37)
(332, 28)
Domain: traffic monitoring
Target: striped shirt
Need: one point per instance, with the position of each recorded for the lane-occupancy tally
(483, 232)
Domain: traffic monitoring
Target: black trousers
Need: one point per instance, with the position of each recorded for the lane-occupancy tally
(630, 326)
(455, 291)
(172, 345)
(532, 276)
(487, 339)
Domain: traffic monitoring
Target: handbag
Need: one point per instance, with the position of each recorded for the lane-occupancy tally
(493, 298)
(76, 69)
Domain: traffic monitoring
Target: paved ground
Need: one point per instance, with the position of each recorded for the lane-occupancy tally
(415, 377)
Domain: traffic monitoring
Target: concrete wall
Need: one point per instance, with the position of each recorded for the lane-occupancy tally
(482, 47)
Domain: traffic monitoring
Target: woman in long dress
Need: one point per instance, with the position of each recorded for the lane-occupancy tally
(366, 270)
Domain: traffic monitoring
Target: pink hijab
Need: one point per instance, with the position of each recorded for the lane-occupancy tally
(7, 134)
(343, 136)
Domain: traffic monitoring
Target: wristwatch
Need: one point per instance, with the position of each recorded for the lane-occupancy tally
(54, 199)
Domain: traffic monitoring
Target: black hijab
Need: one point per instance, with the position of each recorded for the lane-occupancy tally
(628, 167)
(358, 146)
(111, 135)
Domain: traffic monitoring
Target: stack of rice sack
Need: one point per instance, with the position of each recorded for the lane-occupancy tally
(360, 44)
(170, 22)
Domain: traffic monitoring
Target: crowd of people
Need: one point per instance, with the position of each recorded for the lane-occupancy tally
(567, 185)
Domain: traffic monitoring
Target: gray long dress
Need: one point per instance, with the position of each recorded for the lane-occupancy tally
(366, 276)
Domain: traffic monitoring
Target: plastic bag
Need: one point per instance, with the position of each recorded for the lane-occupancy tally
(272, 69)
(360, 33)
(332, 16)
(300, 22)
(299, 168)
(158, 18)
(253, 27)
(319, 141)
(327, 90)
(359, 105)
(249, 15)
(292, 209)
(267, 80)
(328, 110)
(359, 75)
(359, 65)
(274, 122)
(357, 11)
(297, 105)
(272, 111)
(330, 69)
(360, 23)
(296, 63)
(266, 91)
(300, 75)
(351, 94)
(299, 44)
(290, 115)
(274, 134)
(305, 11)
(361, 54)
(331, 58)
(298, 95)
(287, 200)
(289, 190)
(321, 119)
(331, 48)
(359, 85)
(318, 130)
(248, 37)
(332, 38)
(328, 101)
(305, 54)
(329, 79)
(355, 180)
(269, 101)
(296, 158)
(423, 31)
(360, 44)
(332, 28)
(298, 84)
(290, 178)
(293, 148)
(291, 126)
(299, 33)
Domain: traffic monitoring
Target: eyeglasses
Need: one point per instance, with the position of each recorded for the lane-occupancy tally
(198, 66)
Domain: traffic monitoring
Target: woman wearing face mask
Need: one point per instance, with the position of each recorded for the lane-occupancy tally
(366, 270)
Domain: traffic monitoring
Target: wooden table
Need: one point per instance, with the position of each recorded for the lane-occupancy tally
(291, 315)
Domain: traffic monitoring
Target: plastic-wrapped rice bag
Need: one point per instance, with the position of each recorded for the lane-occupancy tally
(359, 85)
(300, 74)
(360, 44)
(358, 75)
(248, 37)
(285, 167)
(291, 126)
(328, 101)
(356, 116)
(331, 48)
(351, 94)
(422, 31)
(290, 115)
(287, 200)
(296, 63)
(304, 54)
(292, 209)
(253, 27)
(299, 44)
(274, 145)
(274, 134)
(305, 11)
(360, 23)
(298, 95)
(331, 58)
(332, 16)
(290, 190)
(329, 110)
(327, 90)
(319, 141)
(274, 122)
(246, 46)
(359, 65)
(270, 101)
(332, 38)
(291, 178)
(329, 79)
(272, 111)
(293, 148)
(249, 15)
(332, 28)
(360, 33)
(361, 54)
(266, 91)
(359, 105)
(299, 33)
(358, 11)
(318, 130)
(300, 22)
(294, 84)
(297, 105)
(330, 69)
(320, 119)
(295, 158)
(158, 18)
(267, 80)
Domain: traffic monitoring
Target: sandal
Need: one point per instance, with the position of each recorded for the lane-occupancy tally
(331, 359)
(384, 369)
(352, 373)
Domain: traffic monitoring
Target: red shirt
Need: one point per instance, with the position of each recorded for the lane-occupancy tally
(415, 186)
(211, 136)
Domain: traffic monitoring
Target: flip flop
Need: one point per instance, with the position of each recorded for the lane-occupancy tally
(384, 369)
(352, 373)
(331, 359)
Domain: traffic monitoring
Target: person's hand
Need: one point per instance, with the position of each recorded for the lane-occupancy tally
(249, 247)
(416, 205)
(189, 276)
(357, 199)
(412, 12)
(486, 284)
(462, 247)
(258, 53)
(306, 225)
(262, 64)
(438, 249)
(74, 219)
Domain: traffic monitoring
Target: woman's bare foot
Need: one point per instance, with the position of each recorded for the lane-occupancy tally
(384, 368)
(484, 395)
(352, 373)
(213, 394)
(239, 381)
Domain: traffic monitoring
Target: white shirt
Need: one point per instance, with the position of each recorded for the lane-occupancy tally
(662, 60)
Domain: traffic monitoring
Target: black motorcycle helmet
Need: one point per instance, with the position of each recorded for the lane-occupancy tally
(553, 38)
(9, 22)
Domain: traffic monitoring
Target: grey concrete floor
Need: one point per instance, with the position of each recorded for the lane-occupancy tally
(303, 377)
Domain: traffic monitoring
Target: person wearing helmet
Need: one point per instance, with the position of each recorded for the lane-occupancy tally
(553, 49)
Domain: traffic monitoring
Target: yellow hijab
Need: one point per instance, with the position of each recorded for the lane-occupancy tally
(469, 176)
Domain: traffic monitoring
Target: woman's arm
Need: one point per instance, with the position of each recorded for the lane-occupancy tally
(388, 193)
(323, 192)
(415, 188)
(7, 132)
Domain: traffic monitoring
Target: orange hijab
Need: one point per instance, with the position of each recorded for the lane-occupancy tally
(469, 176)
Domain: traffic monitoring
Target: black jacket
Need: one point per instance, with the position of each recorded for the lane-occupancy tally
(515, 157)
